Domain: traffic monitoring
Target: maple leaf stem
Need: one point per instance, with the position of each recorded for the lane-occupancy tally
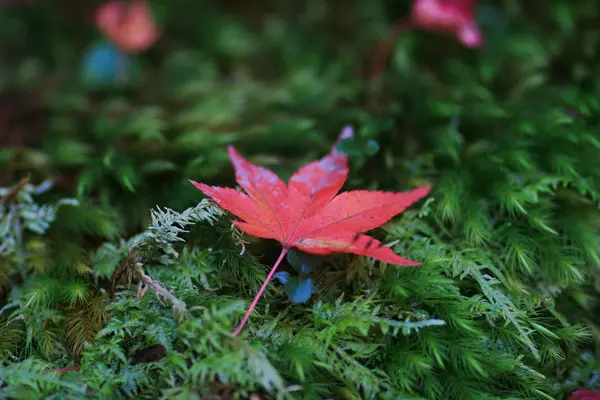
(260, 292)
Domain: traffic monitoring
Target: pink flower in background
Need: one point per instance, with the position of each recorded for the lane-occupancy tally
(452, 16)
(129, 25)
(585, 395)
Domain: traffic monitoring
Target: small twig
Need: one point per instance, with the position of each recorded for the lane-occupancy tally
(158, 288)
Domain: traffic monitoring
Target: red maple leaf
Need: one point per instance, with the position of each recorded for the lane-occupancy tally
(306, 213)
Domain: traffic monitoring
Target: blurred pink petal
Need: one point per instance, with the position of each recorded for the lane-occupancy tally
(129, 25)
(456, 17)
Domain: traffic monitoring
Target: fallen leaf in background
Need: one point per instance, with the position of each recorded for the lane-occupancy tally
(129, 25)
(456, 17)
(307, 214)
